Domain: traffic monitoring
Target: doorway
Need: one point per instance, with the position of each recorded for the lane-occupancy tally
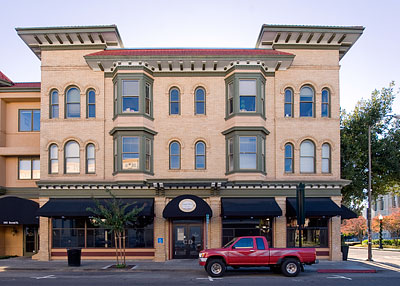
(187, 239)
(31, 240)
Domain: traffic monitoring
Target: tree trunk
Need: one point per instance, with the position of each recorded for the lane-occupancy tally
(124, 245)
(116, 247)
(120, 245)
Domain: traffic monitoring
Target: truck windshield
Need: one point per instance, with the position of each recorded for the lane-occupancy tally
(230, 242)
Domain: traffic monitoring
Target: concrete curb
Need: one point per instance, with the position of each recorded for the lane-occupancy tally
(374, 248)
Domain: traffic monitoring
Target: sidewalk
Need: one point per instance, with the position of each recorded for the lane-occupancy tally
(27, 264)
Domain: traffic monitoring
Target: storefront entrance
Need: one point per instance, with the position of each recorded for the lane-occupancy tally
(31, 240)
(187, 239)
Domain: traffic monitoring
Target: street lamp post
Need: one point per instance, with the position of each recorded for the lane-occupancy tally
(380, 231)
(397, 116)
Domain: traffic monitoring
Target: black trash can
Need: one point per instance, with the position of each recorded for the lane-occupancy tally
(74, 257)
(345, 252)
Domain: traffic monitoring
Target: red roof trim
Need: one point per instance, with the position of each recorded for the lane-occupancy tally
(25, 85)
(190, 52)
(3, 77)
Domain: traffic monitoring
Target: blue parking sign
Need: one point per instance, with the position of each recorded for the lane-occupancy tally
(160, 240)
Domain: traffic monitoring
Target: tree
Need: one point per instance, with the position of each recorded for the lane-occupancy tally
(354, 226)
(385, 147)
(114, 215)
(391, 223)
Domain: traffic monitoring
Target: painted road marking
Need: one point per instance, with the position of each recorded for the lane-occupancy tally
(209, 278)
(44, 277)
(106, 267)
(339, 277)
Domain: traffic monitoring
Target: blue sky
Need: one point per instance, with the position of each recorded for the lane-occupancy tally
(371, 63)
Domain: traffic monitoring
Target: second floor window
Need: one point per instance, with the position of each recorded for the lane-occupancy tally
(174, 155)
(247, 95)
(307, 157)
(326, 158)
(91, 104)
(147, 99)
(130, 153)
(288, 158)
(306, 102)
(29, 169)
(248, 152)
(230, 98)
(73, 103)
(90, 159)
(29, 120)
(53, 159)
(72, 158)
(200, 101)
(174, 101)
(54, 107)
(200, 156)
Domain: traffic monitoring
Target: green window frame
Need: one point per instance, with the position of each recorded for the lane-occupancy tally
(138, 146)
(28, 120)
(29, 168)
(243, 145)
(245, 95)
(142, 95)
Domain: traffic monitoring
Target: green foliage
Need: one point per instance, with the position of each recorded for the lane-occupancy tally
(385, 146)
(112, 214)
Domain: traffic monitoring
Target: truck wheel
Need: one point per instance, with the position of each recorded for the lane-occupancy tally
(290, 267)
(216, 268)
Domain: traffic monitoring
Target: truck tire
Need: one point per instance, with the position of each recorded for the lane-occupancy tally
(290, 267)
(216, 268)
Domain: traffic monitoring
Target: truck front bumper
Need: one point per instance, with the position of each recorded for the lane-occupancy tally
(202, 261)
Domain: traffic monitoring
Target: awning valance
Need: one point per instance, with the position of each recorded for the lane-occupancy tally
(14, 211)
(250, 207)
(187, 206)
(78, 207)
(348, 213)
(314, 207)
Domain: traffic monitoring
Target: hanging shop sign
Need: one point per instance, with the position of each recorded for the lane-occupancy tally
(187, 205)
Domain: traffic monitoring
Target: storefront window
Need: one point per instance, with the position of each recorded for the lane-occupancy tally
(80, 232)
(315, 233)
(246, 227)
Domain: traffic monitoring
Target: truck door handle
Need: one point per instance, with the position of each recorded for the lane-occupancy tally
(252, 250)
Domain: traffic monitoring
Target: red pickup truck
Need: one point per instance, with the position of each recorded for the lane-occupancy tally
(251, 251)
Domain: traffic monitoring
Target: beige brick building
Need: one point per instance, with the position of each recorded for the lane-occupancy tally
(213, 142)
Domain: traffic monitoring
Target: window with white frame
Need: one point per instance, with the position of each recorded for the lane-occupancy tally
(306, 102)
(247, 152)
(307, 157)
(73, 103)
(247, 95)
(72, 158)
(325, 103)
(288, 102)
(54, 104)
(53, 159)
(289, 158)
(130, 153)
(200, 156)
(326, 158)
(90, 159)
(130, 96)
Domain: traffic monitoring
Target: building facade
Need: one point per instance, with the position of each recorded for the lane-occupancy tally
(211, 142)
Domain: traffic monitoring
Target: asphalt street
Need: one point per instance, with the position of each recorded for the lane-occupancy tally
(241, 277)
(387, 263)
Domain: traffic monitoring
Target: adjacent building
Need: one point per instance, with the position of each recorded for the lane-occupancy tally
(212, 142)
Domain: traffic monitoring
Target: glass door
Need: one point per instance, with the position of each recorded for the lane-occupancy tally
(31, 240)
(187, 240)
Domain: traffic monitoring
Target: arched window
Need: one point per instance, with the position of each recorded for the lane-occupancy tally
(72, 158)
(200, 156)
(53, 159)
(174, 155)
(91, 104)
(289, 158)
(54, 107)
(73, 103)
(174, 101)
(325, 103)
(307, 157)
(90, 159)
(200, 101)
(288, 102)
(306, 102)
(326, 158)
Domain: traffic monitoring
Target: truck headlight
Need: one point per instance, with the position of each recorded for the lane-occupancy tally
(202, 255)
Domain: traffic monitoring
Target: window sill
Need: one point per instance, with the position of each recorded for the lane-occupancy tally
(246, 171)
(245, 114)
(133, 114)
(132, 172)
